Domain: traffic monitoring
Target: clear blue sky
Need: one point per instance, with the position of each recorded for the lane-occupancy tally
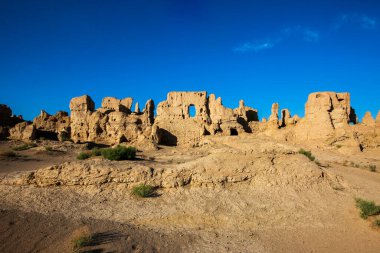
(259, 51)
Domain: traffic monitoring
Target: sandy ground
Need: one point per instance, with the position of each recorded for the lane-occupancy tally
(280, 209)
(34, 232)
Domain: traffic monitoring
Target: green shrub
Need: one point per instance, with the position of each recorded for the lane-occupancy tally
(8, 154)
(96, 152)
(372, 168)
(367, 208)
(143, 191)
(25, 146)
(119, 153)
(81, 241)
(308, 154)
(83, 155)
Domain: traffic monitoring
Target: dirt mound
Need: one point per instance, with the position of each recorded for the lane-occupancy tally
(229, 194)
(262, 164)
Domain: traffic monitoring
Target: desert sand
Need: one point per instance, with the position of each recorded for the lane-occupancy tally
(229, 194)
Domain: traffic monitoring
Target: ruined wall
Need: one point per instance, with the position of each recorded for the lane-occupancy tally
(368, 120)
(327, 121)
(81, 109)
(327, 117)
(368, 131)
(112, 123)
(175, 126)
(23, 131)
(7, 121)
(53, 127)
(118, 105)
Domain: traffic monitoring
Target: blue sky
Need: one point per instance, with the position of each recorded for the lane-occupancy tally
(259, 51)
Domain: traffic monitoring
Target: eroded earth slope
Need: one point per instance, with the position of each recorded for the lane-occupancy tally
(243, 193)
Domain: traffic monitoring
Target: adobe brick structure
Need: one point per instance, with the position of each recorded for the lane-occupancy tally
(329, 120)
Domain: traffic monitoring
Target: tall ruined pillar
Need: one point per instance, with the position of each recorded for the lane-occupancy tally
(81, 109)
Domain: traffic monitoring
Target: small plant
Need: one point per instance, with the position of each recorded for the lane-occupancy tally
(367, 208)
(8, 154)
(308, 154)
(119, 153)
(81, 241)
(377, 223)
(338, 146)
(372, 168)
(352, 164)
(48, 148)
(143, 191)
(96, 152)
(83, 155)
(25, 146)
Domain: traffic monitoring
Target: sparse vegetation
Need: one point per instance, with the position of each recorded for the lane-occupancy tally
(48, 148)
(377, 223)
(306, 153)
(25, 146)
(352, 164)
(143, 190)
(367, 208)
(338, 146)
(119, 153)
(83, 155)
(372, 168)
(8, 154)
(96, 152)
(81, 241)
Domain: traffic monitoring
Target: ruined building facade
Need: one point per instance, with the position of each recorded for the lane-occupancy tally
(329, 119)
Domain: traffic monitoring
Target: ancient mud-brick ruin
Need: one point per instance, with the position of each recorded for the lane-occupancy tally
(113, 123)
(329, 119)
(175, 126)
